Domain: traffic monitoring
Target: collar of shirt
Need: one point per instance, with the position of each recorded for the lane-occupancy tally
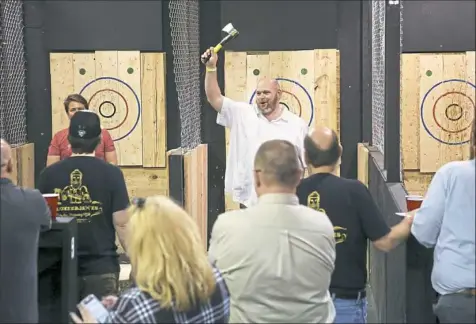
(5, 180)
(277, 198)
(285, 115)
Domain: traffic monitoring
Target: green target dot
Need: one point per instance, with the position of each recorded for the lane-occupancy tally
(130, 70)
(304, 71)
(256, 72)
(429, 73)
(82, 71)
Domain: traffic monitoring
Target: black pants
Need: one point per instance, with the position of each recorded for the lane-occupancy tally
(100, 285)
(243, 206)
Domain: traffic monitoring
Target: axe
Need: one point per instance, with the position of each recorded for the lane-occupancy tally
(232, 33)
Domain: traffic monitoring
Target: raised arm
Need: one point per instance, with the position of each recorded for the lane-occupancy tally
(212, 89)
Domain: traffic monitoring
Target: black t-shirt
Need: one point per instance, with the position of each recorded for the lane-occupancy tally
(90, 190)
(355, 217)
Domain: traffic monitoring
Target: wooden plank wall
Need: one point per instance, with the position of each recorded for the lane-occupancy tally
(132, 88)
(23, 160)
(196, 187)
(437, 106)
(310, 78)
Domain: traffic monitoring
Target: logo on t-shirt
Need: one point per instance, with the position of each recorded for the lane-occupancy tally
(314, 202)
(75, 201)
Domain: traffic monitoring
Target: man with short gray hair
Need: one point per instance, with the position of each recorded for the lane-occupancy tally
(277, 256)
(24, 213)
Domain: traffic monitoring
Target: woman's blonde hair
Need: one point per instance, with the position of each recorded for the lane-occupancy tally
(167, 255)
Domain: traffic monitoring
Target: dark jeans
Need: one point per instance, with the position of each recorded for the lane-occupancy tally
(100, 285)
(456, 308)
(242, 206)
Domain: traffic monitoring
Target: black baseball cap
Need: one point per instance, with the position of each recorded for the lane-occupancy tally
(85, 124)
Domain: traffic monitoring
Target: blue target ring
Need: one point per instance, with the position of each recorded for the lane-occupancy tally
(133, 92)
(423, 105)
(303, 89)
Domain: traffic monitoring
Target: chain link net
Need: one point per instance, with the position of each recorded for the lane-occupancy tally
(12, 73)
(378, 74)
(184, 24)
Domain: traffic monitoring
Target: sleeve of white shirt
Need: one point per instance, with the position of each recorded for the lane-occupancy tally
(428, 219)
(228, 113)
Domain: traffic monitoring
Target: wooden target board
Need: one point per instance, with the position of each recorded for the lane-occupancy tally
(437, 110)
(126, 89)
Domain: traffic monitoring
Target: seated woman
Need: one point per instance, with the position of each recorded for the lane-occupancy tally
(59, 147)
(174, 281)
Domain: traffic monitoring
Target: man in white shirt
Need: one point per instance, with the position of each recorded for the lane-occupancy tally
(250, 126)
(277, 257)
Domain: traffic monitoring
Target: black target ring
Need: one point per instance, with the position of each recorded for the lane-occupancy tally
(451, 117)
(113, 109)
(285, 105)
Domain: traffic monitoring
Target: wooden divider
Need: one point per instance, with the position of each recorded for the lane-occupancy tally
(23, 160)
(189, 171)
(310, 81)
(363, 163)
(437, 108)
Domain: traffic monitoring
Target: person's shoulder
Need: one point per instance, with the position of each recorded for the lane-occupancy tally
(299, 121)
(61, 135)
(456, 171)
(315, 219)
(456, 167)
(349, 184)
(31, 195)
(230, 218)
(228, 102)
(111, 169)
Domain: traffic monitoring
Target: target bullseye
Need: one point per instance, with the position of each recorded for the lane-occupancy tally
(109, 109)
(458, 116)
(107, 103)
(454, 112)
(123, 99)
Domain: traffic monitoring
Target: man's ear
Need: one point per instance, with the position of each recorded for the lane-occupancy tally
(257, 179)
(10, 166)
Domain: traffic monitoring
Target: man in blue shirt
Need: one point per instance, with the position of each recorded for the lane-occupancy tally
(446, 221)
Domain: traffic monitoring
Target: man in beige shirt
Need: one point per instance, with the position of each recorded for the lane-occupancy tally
(277, 257)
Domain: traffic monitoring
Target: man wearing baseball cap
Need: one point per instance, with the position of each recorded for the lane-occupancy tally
(94, 192)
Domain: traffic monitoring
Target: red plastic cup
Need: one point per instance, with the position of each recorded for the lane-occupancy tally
(52, 201)
(413, 202)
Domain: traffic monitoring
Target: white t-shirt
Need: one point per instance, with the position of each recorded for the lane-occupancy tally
(248, 130)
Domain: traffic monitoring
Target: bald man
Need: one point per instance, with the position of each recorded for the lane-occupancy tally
(24, 213)
(277, 257)
(355, 218)
(250, 125)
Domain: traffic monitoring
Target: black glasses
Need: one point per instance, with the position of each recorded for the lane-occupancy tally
(138, 201)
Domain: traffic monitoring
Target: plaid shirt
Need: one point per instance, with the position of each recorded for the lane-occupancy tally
(135, 306)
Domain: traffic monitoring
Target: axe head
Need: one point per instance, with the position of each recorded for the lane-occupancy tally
(230, 30)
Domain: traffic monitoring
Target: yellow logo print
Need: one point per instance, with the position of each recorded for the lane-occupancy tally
(314, 201)
(75, 200)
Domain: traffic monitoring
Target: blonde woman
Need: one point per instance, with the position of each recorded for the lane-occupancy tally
(174, 281)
